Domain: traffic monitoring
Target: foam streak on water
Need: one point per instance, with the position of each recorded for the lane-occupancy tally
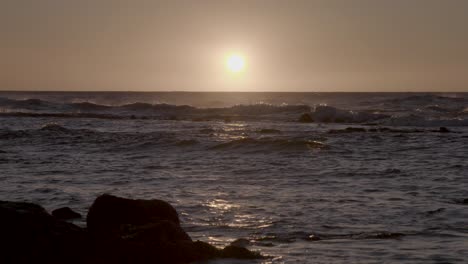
(301, 193)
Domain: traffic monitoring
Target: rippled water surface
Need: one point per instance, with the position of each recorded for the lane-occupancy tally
(298, 192)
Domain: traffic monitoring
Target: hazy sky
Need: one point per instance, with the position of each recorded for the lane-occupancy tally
(290, 45)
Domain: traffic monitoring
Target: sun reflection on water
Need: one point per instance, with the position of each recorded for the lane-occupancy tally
(223, 205)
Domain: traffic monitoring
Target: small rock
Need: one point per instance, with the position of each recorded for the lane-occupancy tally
(241, 242)
(444, 130)
(313, 238)
(239, 253)
(65, 213)
(306, 118)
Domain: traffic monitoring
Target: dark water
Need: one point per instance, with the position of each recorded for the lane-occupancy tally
(389, 190)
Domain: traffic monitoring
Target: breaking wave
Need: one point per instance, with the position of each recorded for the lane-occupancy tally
(431, 110)
(271, 144)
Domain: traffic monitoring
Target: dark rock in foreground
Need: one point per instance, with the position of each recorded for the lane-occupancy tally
(119, 231)
(28, 234)
(65, 213)
(108, 213)
(139, 231)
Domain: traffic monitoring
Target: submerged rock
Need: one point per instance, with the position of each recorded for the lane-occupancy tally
(444, 130)
(306, 118)
(65, 213)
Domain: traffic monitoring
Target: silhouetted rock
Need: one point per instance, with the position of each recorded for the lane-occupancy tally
(119, 231)
(306, 118)
(138, 231)
(146, 231)
(30, 235)
(108, 213)
(65, 213)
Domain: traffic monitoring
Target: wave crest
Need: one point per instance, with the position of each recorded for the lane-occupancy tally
(271, 144)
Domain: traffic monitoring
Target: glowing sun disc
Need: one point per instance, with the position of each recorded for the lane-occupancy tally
(235, 63)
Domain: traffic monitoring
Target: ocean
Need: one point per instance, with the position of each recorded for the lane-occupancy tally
(364, 178)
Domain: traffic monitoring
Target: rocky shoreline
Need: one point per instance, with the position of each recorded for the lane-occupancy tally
(119, 230)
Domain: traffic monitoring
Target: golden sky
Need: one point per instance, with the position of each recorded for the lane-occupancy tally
(293, 45)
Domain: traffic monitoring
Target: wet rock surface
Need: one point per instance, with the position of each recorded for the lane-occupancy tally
(119, 231)
(108, 213)
(65, 213)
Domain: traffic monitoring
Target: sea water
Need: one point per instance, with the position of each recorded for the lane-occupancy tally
(374, 179)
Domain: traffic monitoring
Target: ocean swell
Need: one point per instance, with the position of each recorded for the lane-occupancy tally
(272, 144)
(418, 110)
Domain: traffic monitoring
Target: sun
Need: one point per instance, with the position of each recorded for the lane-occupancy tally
(235, 63)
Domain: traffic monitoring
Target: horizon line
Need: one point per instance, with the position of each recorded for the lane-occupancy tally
(217, 91)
